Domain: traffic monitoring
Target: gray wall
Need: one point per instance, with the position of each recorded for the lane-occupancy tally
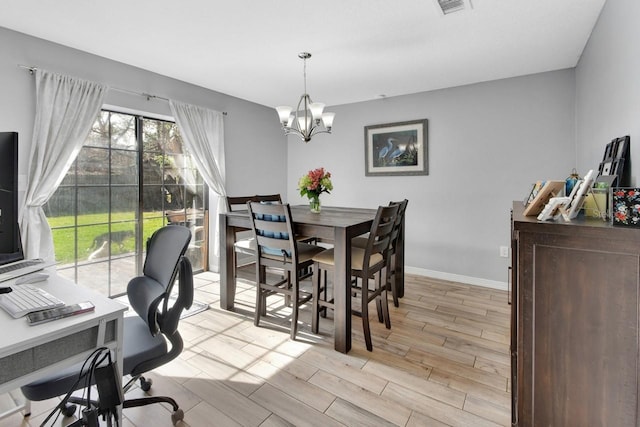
(253, 139)
(488, 143)
(608, 85)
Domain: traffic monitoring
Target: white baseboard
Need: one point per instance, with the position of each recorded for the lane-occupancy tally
(493, 284)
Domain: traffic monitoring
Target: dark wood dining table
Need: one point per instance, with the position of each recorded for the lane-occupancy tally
(337, 225)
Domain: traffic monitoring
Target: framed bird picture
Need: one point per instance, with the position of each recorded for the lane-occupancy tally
(396, 148)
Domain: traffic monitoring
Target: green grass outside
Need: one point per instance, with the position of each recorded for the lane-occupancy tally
(91, 226)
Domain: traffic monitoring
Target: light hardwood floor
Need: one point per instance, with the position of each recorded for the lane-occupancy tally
(445, 362)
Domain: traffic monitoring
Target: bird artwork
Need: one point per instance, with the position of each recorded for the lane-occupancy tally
(396, 153)
(384, 151)
(399, 151)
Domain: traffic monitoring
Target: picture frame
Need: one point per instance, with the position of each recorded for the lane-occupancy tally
(396, 148)
(577, 200)
(623, 206)
(614, 161)
(549, 189)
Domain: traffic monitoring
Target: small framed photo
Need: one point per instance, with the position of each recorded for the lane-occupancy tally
(396, 148)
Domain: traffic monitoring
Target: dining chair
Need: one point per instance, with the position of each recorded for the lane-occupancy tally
(361, 242)
(244, 243)
(369, 266)
(277, 247)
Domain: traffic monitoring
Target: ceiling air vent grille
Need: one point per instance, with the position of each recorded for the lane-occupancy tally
(450, 6)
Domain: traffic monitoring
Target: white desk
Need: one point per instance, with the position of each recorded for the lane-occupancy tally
(29, 352)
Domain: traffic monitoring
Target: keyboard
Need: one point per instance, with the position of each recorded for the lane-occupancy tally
(20, 268)
(26, 299)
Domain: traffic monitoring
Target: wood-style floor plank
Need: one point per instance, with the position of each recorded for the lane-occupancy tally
(444, 362)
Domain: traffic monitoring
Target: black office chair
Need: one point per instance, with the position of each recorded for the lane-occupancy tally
(145, 335)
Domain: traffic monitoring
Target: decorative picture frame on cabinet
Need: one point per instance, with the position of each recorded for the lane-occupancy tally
(614, 161)
(396, 148)
(624, 206)
(549, 189)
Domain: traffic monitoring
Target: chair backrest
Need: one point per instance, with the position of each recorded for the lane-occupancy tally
(272, 228)
(165, 259)
(380, 234)
(240, 202)
(402, 207)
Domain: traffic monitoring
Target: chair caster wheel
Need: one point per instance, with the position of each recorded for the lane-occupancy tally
(69, 410)
(145, 384)
(177, 416)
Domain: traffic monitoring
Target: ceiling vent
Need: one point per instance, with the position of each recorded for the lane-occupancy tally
(450, 6)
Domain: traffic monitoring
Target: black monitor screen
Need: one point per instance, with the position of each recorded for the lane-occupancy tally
(10, 247)
(11, 257)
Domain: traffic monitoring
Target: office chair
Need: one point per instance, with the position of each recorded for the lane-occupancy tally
(145, 335)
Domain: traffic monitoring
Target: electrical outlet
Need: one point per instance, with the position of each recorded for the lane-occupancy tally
(504, 251)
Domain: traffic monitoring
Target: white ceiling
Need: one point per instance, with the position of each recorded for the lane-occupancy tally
(361, 49)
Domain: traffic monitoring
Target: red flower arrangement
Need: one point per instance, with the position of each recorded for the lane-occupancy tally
(314, 183)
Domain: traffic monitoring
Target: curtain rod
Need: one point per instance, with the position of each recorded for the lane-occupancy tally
(146, 95)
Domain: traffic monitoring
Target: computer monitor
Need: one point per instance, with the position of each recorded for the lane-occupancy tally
(9, 233)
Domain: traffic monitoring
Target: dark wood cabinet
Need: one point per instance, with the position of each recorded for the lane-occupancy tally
(574, 332)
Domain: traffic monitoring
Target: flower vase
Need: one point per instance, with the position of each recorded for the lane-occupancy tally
(314, 204)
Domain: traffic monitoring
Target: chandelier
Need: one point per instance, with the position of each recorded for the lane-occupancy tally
(309, 118)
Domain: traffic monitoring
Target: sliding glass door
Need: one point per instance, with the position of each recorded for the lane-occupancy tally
(131, 177)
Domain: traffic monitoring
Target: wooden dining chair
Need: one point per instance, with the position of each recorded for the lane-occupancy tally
(370, 268)
(395, 241)
(361, 242)
(277, 247)
(244, 242)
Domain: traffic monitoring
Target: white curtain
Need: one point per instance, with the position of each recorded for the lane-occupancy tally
(203, 133)
(66, 107)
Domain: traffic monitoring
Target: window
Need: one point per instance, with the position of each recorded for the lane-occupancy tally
(131, 177)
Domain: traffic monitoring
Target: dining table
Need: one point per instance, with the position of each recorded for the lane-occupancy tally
(335, 225)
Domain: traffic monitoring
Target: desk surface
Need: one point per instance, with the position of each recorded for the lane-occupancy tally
(27, 352)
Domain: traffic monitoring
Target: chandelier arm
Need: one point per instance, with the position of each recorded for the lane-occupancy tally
(316, 130)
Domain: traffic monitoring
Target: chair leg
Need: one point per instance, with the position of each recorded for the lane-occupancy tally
(378, 284)
(260, 299)
(365, 314)
(176, 416)
(392, 282)
(325, 291)
(234, 262)
(295, 301)
(379, 308)
(315, 280)
(287, 297)
(384, 299)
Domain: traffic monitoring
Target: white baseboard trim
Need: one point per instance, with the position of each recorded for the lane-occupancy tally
(493, 284)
